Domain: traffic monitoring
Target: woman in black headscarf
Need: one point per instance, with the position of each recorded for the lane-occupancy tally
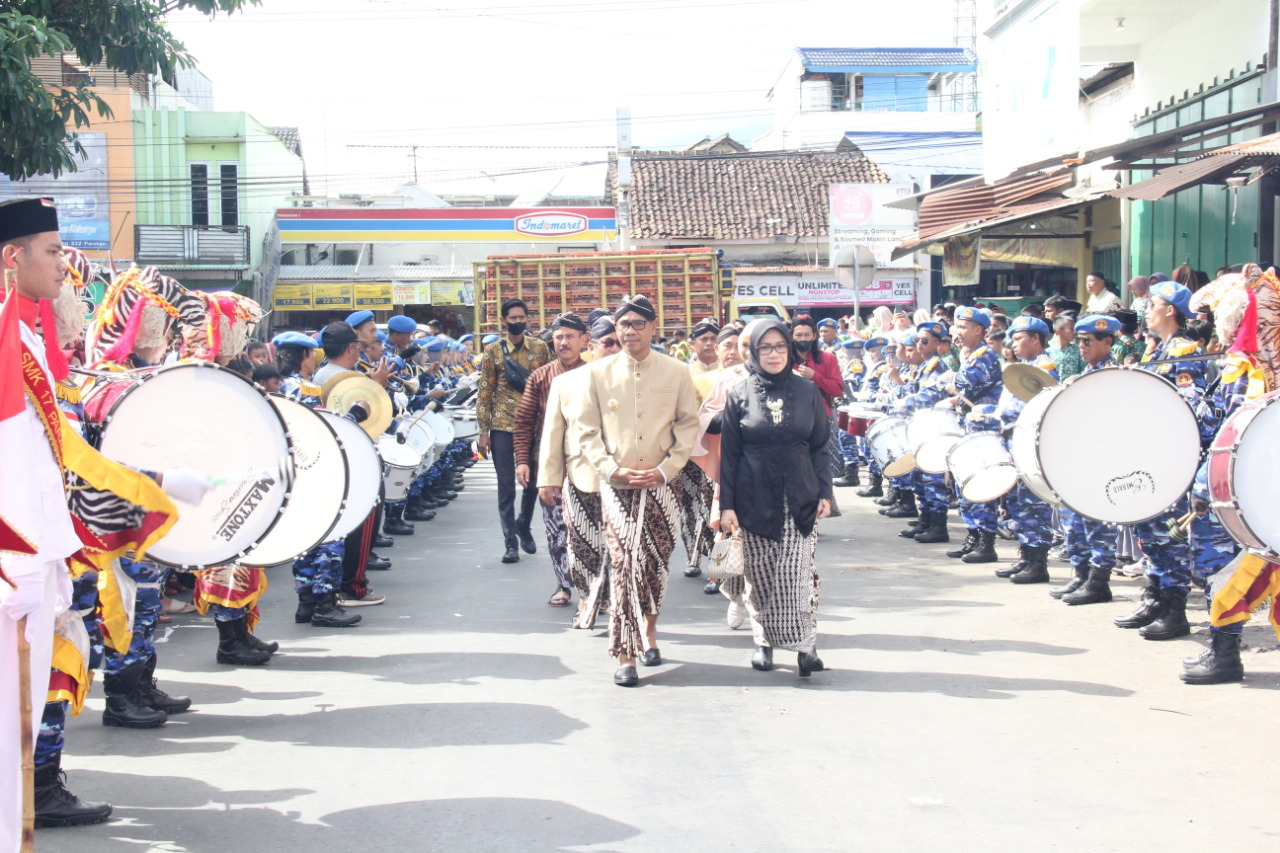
(775, 482)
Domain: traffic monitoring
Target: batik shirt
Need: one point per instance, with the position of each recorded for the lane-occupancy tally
(496, 401)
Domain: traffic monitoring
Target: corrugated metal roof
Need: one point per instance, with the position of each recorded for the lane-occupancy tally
(888, 58)
(975, 203)
(1018, 213)
(1213, 166)
(372, 272)
(1269, 144)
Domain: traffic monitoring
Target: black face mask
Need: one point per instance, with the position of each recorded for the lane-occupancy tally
(516, 328)
(804, 346)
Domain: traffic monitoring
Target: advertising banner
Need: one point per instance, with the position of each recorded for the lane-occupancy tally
(292, 297)
(858, 216)
(447, 225)
(84, 214)
(817, 290)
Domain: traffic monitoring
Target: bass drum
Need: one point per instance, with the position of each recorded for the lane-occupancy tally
(981, 467)
(365, 472)
(890, 446)
(213, 420)
(321, 481)
(1061, 458)
(1244, 467)
(444, 431)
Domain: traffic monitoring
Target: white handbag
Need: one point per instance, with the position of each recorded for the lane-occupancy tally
(726, 556)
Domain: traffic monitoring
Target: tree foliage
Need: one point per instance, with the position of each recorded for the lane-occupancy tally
(129, 36)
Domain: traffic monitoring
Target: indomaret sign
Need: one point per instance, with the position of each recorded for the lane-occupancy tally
(447, 225)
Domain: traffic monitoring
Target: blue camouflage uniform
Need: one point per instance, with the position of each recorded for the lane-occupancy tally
(898, 394)
(1089, 541)
(875, 376)
(320, 569)
(979, 381)
(931, 489)
(854, 371)
(1032, 517)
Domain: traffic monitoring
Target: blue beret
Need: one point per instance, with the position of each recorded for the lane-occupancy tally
(401, 324)
(433, 345)
(909, 339)
(359, 317)
(828, 323)
(933, 327)
(974, 315)
(382, 337)
(397, 362)
(1176, 295)
(467, 338)
(877, 342)
(852, 343)
(294, 339)
(1027, 323)
(489, 339)
(1098, 324)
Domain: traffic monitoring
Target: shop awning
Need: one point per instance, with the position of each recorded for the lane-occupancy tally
(1250, 160)
(1021, 214)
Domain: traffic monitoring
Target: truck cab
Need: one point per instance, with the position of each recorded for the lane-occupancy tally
(751, 309)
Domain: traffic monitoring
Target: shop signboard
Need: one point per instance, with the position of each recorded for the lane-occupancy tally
(292, 297)
(451, 293)
(332, 295)
(84, 213)
(858, 216)
(373, 296)
(817, 290)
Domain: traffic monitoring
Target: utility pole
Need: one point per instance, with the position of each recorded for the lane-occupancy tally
(413, 154)
(623, 158)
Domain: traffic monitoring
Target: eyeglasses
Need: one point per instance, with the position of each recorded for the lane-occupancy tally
(632, 325)
(776, 349)
(609, 343)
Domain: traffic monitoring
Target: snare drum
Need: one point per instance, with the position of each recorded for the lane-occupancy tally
(365, 470)
(320, 486)
(444, 431)
(932, 433)
(214, 420)
(464, 422)
(399, 464)
(1244, 467)
(423, 439)
(981, 467)
(1113, 481)
(890, 447)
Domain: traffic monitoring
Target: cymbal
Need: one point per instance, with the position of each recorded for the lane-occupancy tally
(1024, 381)
(334, 380)
(361, 389)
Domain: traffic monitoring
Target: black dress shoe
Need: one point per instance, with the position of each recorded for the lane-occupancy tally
(653, 657)
(762, 659)
(377, 564)
(693, 571)
(395, 527)
(511, 556)
(383, 542)
(526, 541)
(626, 676)
(808, 662)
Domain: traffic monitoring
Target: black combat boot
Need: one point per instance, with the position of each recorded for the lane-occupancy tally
(1077, 581)
(242, 626)
(1147, 612)
(1221, 665)
(905, 509)
(419, 512)
(970, 542)
(889, 498)
(935, 530)
(56, 806)
(157, 698)
(398, 527)
(126, 707)
(306, 606)
(914, 527)
(1037, 568)
(985, 550)
(1024, 553)
(1096, 589)
(874, 488)
(234, 650)
(848, 477)
(1172, 621)
(329, 615)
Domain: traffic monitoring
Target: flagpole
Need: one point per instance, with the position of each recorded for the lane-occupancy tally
(26, 740)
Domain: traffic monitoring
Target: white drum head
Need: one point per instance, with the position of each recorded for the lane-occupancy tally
(990, 483)
(364, 469)
(1024, 445)
(1092, 465)
(213, 420)
(1257, 470)
(443, 428)
(319, 488)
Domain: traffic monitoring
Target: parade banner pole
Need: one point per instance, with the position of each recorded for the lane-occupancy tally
(25, 740)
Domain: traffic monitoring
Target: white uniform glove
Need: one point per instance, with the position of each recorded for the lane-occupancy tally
(401, 401)
(23, 601)
(185, 484)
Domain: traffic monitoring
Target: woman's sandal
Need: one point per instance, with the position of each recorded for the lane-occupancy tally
(561, 598)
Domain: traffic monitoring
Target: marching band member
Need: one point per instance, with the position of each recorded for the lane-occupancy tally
(853, 372)
(877, 370)
(978, 388)
(902, 383)
(931, 488)
(1031, 515)
(638, 430)
(1091, 544)
(1162, 614)
(569, 337)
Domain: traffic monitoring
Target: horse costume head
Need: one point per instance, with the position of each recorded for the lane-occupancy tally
(138, 311)
(1246, 316)
(71, 305)
(230, 319)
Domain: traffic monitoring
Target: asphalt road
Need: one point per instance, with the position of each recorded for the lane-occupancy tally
(959, 712)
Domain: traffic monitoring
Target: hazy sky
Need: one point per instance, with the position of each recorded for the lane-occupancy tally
(502, 87)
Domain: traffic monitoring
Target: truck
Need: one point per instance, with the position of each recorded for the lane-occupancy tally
(683, 284)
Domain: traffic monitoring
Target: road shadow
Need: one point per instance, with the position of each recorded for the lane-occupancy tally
(431, 667)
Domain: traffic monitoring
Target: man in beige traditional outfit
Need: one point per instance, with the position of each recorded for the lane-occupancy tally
(637, 430)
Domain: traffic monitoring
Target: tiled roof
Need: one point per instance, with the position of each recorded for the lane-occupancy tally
(372, 272)
(738, 196)
(888, 57)
(289, 136)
